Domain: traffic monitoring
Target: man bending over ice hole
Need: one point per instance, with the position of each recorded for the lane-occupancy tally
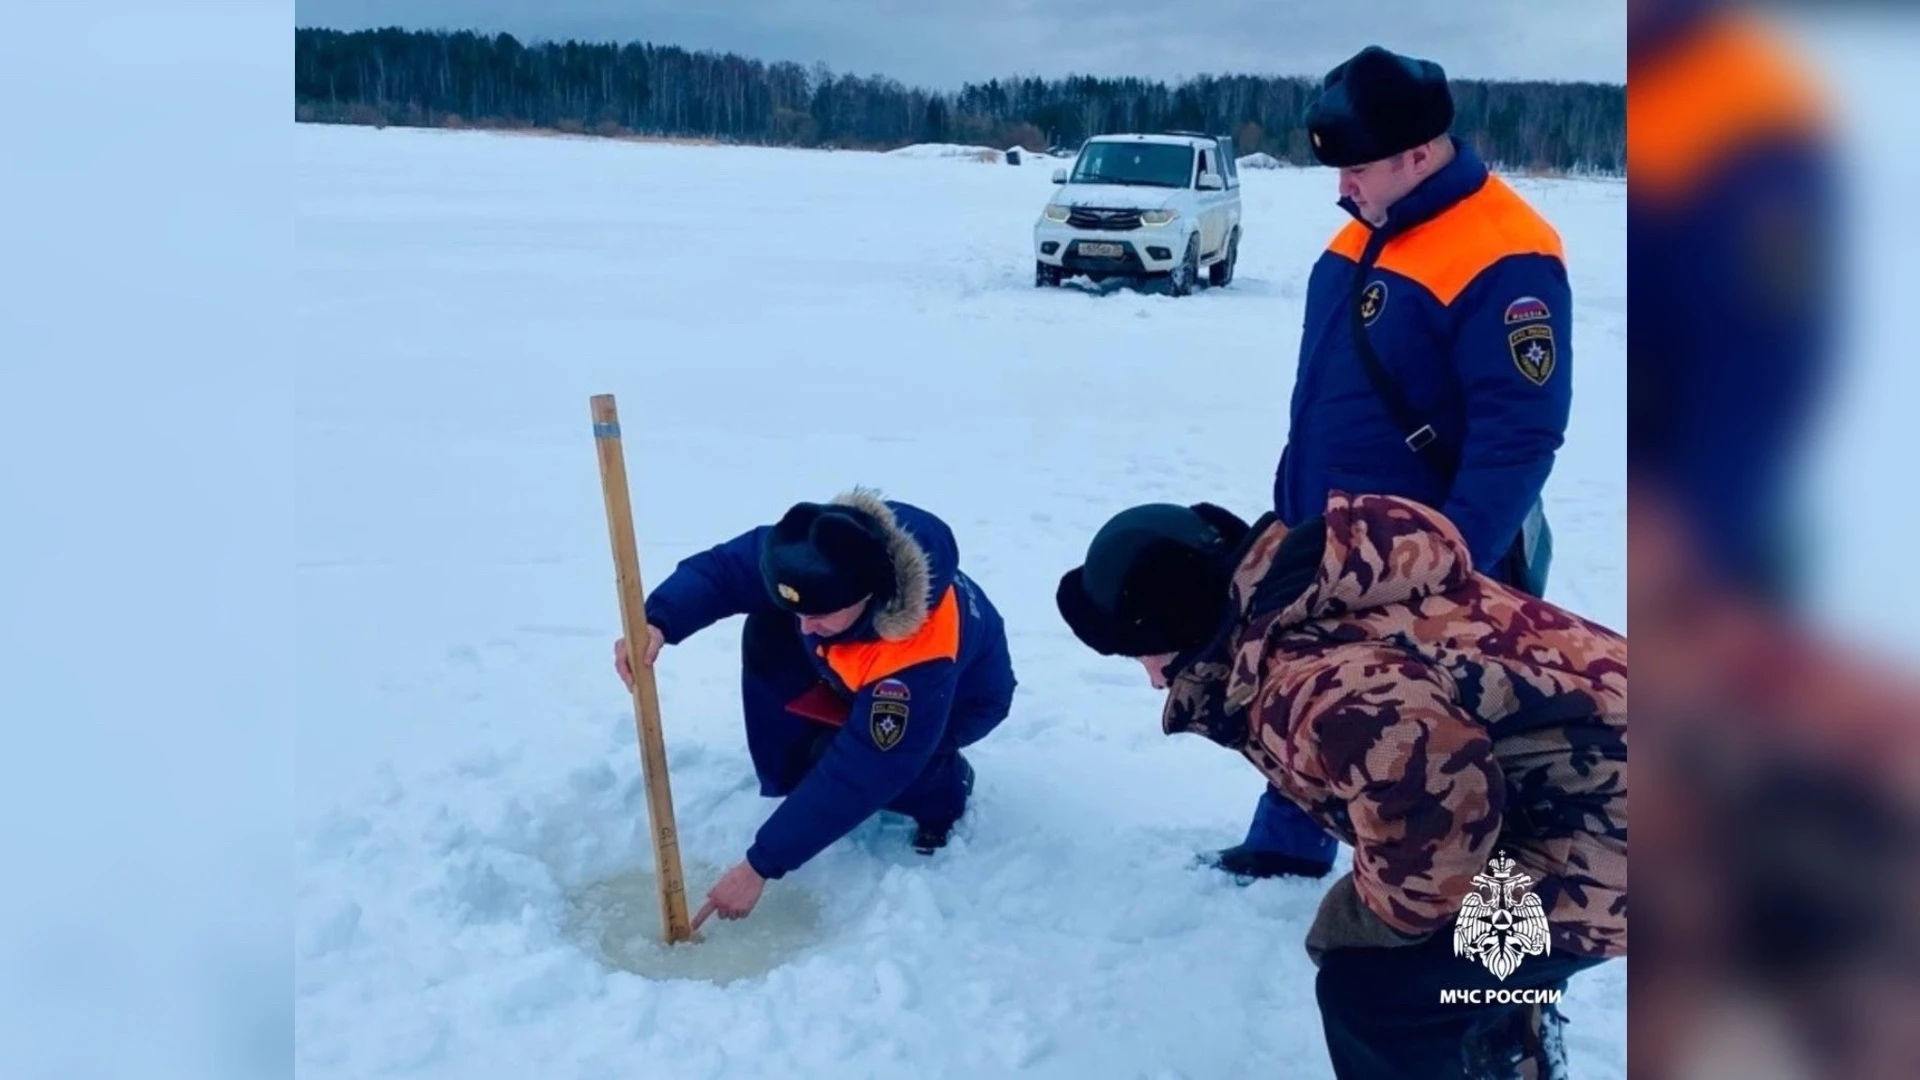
(868, 660)
(1468, 740)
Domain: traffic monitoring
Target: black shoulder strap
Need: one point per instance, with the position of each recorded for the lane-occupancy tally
(1420, 436)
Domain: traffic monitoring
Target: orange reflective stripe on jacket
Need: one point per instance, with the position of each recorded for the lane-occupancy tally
(1445, 254)
(861, 663)
(1731, 86)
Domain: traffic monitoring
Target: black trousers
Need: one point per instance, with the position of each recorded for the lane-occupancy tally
(1385, 1020)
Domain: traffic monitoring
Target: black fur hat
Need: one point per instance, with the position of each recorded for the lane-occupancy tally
(1378, 104)
(1155, 580)
(819, 559)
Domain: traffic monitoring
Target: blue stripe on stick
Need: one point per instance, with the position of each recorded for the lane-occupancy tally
(605, 430)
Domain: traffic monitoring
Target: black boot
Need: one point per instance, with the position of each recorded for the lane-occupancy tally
(931, 838)
(1529, 1044)
(1244, 862)
(933, 835)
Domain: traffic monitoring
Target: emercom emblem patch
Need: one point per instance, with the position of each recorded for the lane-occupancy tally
(1533, 352)
(887, 723)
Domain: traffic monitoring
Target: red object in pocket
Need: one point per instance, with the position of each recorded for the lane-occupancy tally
(823, 704)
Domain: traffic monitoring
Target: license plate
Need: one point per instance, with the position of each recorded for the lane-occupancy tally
(1102, 251)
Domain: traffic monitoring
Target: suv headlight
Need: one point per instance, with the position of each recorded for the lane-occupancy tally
(1055, 212)
(1159, 217)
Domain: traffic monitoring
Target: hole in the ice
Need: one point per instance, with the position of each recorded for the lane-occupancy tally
(617, 921)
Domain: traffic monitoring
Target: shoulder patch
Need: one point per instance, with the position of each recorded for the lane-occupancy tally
(887, 723)
(1527, 309)
(892, 690)
(1533, 352)
(1373, 300)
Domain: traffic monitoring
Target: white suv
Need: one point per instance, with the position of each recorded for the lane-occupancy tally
(1141, 205)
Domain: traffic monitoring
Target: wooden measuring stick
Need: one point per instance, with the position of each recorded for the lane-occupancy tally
(646, 697)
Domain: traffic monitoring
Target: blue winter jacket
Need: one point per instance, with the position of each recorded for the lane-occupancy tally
(926, 670)
(1464, 296)
(1732, 242)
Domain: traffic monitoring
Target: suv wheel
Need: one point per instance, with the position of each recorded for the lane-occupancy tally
(1181, 281)
(1046, 275)
(1221, 273)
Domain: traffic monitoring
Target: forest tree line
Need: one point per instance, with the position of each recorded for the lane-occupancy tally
(463, 79)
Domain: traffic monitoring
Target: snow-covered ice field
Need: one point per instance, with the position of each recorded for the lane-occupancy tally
(781, 325)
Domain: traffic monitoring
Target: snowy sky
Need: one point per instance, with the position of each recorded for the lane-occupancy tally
(942, 43)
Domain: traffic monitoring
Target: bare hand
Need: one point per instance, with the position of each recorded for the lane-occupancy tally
(734, 896)
(622, 664)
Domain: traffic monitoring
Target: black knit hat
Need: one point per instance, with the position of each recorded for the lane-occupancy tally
(1378, 104)
(819, 559)
(1155, 580)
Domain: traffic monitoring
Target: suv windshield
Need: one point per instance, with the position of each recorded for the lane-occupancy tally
(1146, 164)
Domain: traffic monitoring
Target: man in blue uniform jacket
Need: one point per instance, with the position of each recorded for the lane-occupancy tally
(868, 660)
(1434, 359)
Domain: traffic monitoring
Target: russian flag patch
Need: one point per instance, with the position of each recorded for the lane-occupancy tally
(891, 690)
(1526, 309)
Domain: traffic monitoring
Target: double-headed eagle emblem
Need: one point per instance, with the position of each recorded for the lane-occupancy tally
(1499, 929)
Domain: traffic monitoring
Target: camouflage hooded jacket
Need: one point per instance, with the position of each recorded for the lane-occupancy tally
(1428, 716)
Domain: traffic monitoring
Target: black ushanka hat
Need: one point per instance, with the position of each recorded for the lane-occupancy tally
(1155, 580)
(1378, 104)
(818, 559)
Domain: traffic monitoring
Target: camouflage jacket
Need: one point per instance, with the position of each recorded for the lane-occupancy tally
(1428, 716)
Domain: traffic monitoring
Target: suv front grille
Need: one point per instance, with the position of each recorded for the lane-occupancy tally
(1101, 220)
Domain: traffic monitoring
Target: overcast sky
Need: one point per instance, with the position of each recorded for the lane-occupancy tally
(942, 43)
